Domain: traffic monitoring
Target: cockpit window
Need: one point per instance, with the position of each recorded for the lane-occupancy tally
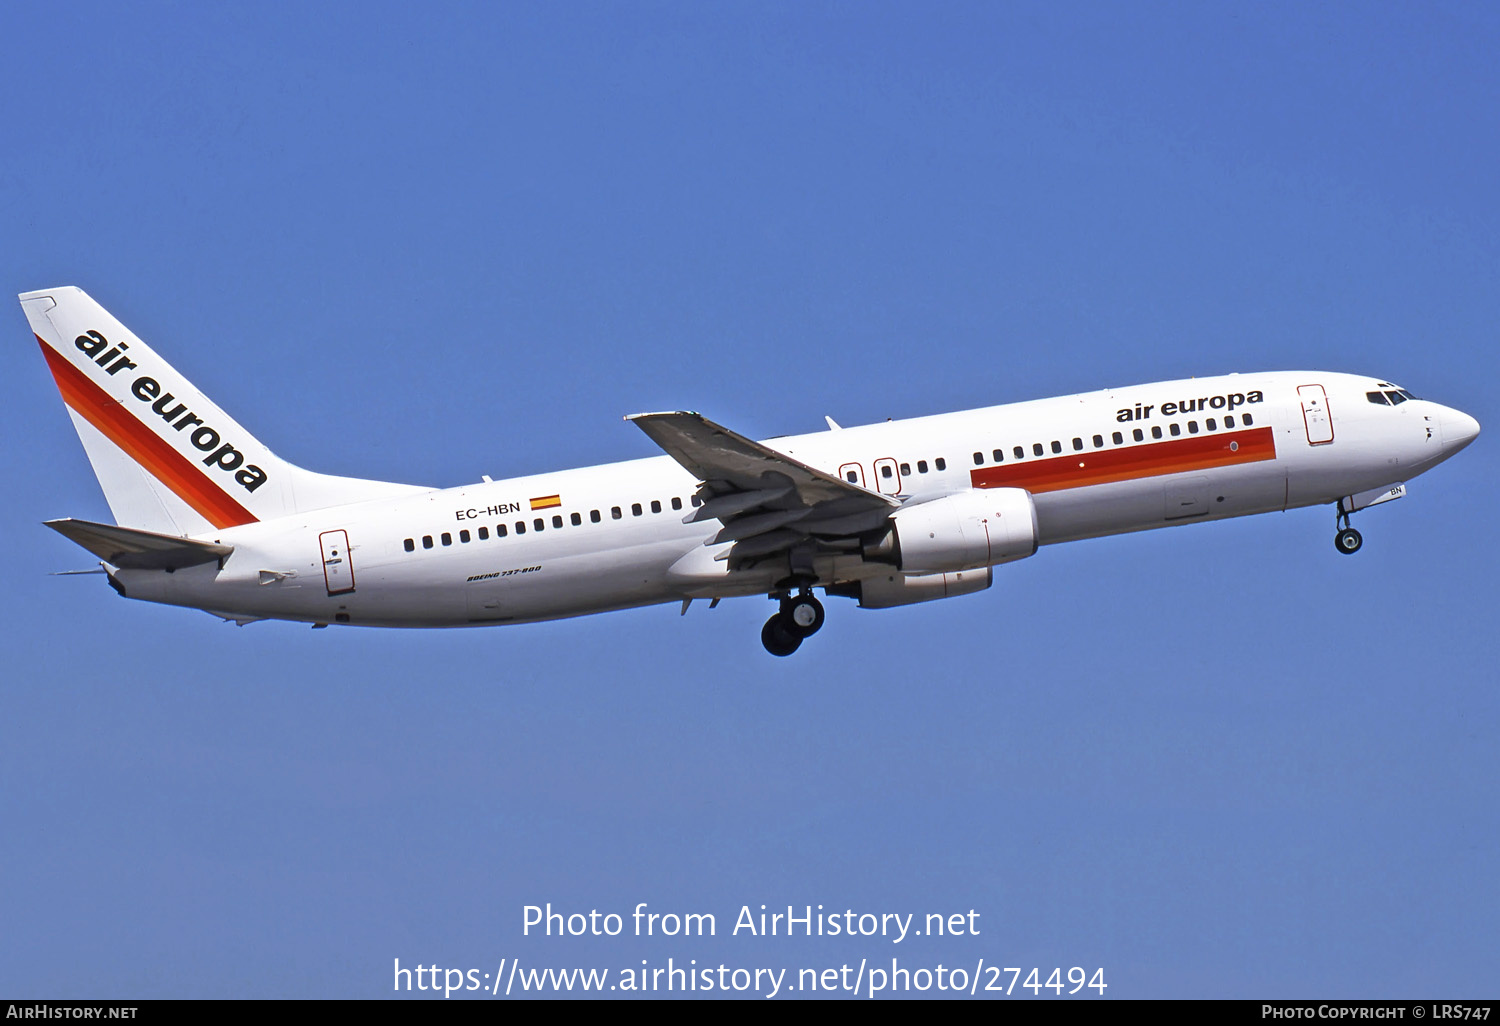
(1378, 398)
(1396, 398)
(1406, 393)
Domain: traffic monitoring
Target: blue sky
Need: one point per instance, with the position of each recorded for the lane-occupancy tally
(428, 244)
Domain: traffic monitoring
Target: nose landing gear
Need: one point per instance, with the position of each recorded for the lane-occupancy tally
(799, 617)
(1347, 540)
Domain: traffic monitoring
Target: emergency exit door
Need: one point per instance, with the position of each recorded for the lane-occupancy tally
(887, 477)
(1315, 415)
(338, 571)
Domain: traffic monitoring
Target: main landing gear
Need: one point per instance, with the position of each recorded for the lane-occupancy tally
(800, 616)
(1348, 540)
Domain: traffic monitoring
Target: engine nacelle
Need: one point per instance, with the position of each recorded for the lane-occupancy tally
(983, 527)
(897, 589)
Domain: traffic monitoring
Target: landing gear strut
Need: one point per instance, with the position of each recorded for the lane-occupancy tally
(1348, 540)
(800, 616)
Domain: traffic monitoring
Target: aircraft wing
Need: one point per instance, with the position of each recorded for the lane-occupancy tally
(767, 501)
(132, 549)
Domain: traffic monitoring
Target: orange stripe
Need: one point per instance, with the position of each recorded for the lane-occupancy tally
(163, 462)
(1104, 466)
(546, 502)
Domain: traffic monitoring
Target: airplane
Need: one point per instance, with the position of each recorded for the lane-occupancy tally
(887, 514)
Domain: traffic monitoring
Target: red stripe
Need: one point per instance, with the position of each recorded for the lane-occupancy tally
(166, 464)
(1103, 466)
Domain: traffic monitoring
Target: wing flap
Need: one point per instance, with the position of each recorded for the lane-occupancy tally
(768, 502)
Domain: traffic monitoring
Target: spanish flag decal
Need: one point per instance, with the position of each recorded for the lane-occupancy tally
(546, 502)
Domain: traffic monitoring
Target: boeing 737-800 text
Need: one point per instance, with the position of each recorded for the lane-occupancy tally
(887, 514)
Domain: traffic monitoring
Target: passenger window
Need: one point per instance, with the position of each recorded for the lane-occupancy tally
(1117, 438)
(1098, 441)
(1078, 445)
(1174, 430)
(979, 459)
(635, 509)
(1020, 452)
(885, 470)
(676, 502)
(696, 501)
(921, 466)
(614, 511)
(656, 505)
(1156, 431)
(594, 517)
(409, 545)
(464, 536)
(1036, 447)
(501, 530)
(1056, 445)
(484, 534)
(576, 518)
(520, 527)
(426, 541)
(539, 524)
(557, 519)
(906, 470)
(446, 538)
(1138, 435)
(1192, 427)
(940, 463)
(999, 455)
(1245, 420)
(1229, 421)
(1211, 424)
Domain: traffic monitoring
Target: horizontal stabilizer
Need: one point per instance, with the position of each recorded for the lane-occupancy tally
(130, 549)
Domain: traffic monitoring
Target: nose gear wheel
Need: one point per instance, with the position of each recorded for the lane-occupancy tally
(1347, 540)
(803, 613)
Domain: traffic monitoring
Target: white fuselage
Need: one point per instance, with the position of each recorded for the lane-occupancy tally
(1100, 463)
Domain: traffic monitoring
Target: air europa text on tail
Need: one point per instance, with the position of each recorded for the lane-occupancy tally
(147, 389)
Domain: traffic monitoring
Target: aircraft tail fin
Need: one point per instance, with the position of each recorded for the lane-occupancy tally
(167, 457)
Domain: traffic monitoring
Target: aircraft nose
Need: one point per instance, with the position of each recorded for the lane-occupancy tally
(1459, 429)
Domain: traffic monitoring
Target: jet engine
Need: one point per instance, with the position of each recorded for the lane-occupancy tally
(977, 528)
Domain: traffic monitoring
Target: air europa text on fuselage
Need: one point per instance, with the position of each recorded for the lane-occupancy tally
(148, 390)
(1171, 409)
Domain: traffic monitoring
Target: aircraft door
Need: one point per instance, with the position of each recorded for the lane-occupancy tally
(887, 477)
(338, 570)
(1315, 415)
